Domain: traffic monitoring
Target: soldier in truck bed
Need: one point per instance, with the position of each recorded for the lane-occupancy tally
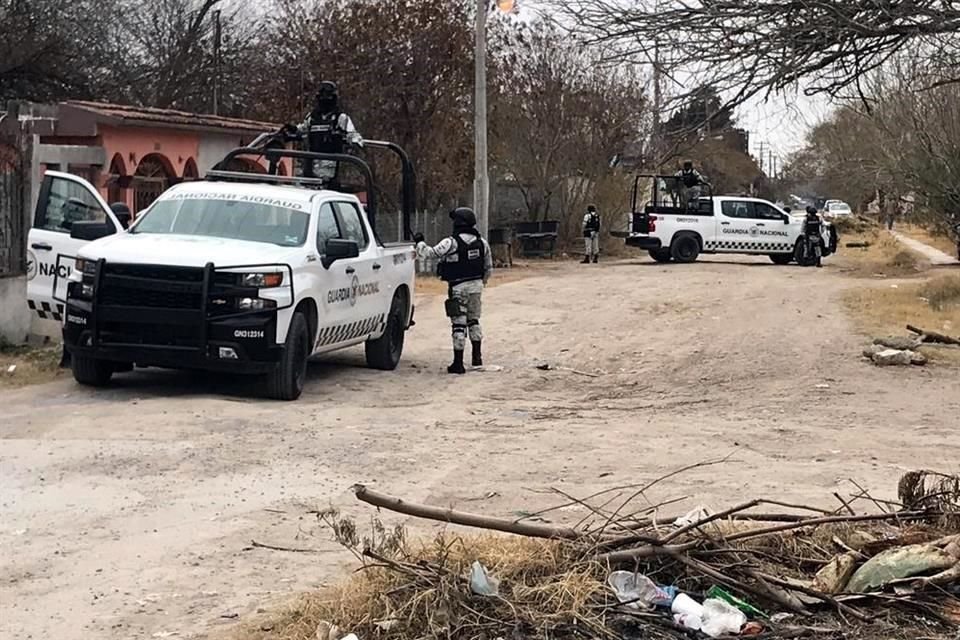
(465, 265)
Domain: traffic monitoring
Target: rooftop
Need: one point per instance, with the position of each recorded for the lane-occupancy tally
(126, 114)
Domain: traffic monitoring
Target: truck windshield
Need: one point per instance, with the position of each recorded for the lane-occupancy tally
(277, 223)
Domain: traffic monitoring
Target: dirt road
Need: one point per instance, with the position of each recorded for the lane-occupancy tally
(129, 513)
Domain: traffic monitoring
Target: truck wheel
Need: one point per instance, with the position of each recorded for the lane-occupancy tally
(286, 381)
(685, 248)
(384, 352)
(660, 255)
(781, 258)
(90, 371)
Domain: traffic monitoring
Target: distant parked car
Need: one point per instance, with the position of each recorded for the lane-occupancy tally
(837, 209)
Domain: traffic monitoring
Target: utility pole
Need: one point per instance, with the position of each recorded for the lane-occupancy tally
(216, 62)
(655, 142)
(481, 180)
(760, 157)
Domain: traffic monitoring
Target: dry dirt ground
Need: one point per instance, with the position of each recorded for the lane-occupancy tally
(129, 513)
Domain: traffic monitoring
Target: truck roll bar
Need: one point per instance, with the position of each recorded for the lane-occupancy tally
(408, 184)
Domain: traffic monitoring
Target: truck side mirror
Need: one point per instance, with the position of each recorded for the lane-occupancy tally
(88, 230)
(339, 249)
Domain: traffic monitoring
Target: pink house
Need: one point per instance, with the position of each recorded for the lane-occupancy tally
(132, 154)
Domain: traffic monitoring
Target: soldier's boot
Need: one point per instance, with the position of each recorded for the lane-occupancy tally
(477, 359)
(457, 365)
(586, 259)
(596, 259)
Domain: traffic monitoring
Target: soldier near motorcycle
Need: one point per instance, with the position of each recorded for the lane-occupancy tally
(813, 238)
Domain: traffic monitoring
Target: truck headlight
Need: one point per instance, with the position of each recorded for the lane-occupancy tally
(261, 280)
(255, 304)
(88, 267)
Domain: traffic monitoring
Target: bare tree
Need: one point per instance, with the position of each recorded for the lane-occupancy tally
(48, 48)
(744, 48)
(559, 119)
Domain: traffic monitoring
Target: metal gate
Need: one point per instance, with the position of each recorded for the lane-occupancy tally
(13, 190)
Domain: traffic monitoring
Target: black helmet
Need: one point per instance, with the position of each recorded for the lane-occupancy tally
(327, 94)
(688, 165)
(463, 217)
(811, 210)
(592, 209)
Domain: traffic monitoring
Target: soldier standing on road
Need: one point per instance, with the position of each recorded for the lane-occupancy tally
(465, 265)
(812, 227)
(591, 235)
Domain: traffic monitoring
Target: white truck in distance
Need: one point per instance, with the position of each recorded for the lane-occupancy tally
(230, 276)
(670, 231)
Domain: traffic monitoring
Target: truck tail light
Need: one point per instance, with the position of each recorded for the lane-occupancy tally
(651, 223)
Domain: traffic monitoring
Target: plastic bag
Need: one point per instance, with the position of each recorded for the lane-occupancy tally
(687, 612)
(481, 582)
(639, 591)
(721, 618)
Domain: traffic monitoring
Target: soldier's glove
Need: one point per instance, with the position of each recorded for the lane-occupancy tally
(418, 238)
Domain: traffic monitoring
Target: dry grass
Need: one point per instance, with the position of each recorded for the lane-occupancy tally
(428, 285)
(33, 365)
(883, 257)
(542, 586)
(547, 590)
(933, 305)
(941, 242)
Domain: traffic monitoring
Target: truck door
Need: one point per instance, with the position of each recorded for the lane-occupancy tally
(735, 227)
(369, 272)
(64, 199)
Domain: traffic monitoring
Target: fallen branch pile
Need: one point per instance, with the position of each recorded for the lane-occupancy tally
(801, 571)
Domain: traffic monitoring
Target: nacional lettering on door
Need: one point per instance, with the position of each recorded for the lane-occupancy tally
(356, 290)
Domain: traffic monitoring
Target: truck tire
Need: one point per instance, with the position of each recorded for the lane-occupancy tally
(685, 248)
(91, 371)
(781, 258)
(286, 381)
(384, 352)
(660, 255)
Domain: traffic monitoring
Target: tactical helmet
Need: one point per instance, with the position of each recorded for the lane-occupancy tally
(592, 209)
(327, 94)
(811, 210)
(688, 165)
(463, 217)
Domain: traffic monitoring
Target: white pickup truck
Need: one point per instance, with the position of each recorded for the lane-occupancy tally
(221, 275)
(716, 224)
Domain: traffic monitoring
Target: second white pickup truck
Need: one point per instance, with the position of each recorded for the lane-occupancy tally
(226, 275)
(716, 224)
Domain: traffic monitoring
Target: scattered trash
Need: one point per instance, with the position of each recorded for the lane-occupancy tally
(230, 616)
(752, 629)
(692, 517)
(752, 560)
(481, 582)
(640, 592)
(488, 368)
(721, 618)
(833, 577)
(822, 385)
(901, 562)
(720, 594)
(687, 612)
(11, 369)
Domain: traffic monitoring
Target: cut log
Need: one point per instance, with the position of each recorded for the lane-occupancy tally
(440, 514)
(932, 336)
